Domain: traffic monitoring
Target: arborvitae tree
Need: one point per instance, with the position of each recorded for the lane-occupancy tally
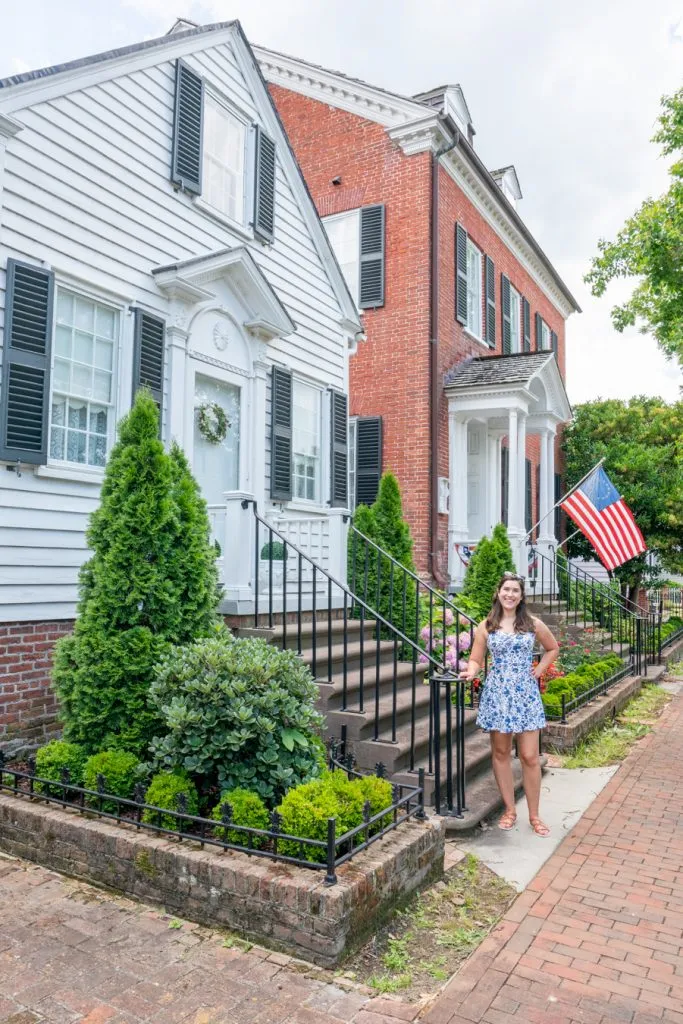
(138, 592)
(481, 578)
(392, 529)
(501, 542)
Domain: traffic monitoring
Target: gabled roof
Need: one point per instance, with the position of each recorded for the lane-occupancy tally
(69, 76)
(121, 51)
(497, 371)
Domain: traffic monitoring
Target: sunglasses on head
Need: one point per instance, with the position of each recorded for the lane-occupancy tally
(513, 576)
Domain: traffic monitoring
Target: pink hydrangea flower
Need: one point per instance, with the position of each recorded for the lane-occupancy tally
(448, 617)
(423, 659)
(426, 633)
(465, 641)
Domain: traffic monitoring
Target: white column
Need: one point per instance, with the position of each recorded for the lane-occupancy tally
(493, 481)
(176, 355)
(547, 527)
(521, 473)
(457, 476)
(513, 471)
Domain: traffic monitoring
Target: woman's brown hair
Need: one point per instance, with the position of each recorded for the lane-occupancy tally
(523, 620)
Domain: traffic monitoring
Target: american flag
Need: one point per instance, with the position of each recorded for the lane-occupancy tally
(605, 519)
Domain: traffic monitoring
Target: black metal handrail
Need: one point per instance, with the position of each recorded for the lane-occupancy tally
(390, 647)
(407, 802)
(454, 742)
(409, 584)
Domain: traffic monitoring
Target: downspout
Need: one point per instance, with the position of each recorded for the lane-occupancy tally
(434, 364)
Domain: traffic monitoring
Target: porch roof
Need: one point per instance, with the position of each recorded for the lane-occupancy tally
(496, 371)
(530, 380)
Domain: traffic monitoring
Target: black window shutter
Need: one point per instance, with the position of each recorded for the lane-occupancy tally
(558, 511)
(526, 325)
(186, 165)
(490, 303)
(528, 506)
(371, 257)
(504, 484)
(368, 459)
(281, 436)
(460, 274)
(339, 450)
(505, 314)
(554, 342)
(25, 399)
(538, 498)
(264, 186)
(148, 356)
(539, 332)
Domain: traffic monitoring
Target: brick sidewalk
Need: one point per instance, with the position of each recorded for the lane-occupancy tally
(598, 935)
(597, 938)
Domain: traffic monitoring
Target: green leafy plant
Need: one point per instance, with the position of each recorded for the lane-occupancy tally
(248, 810)
(306, 809)
(239, 713)
(163, 791)
(54, 757)
(151, 581)
(120, 771)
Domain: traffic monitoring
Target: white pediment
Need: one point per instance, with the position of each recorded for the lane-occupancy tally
(190, 281)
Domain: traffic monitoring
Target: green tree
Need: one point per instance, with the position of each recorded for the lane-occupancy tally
(392, 529)
(642, 443)
(650, 247)
(138, 591)
(503, 549)
(481, 578)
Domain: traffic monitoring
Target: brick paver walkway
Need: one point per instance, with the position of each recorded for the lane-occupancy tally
(597, 938)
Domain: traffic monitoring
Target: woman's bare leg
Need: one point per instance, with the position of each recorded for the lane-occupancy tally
(501, 749)
(527, 748)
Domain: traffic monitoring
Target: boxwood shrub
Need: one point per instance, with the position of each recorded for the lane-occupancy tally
(120, 770)
(163, 791)
(578, 682)
(57, 755)
(249, 810)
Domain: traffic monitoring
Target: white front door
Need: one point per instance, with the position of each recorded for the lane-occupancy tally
(216, 463)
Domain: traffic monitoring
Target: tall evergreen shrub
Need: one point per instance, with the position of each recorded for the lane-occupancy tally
(151, 581)
(503, 549)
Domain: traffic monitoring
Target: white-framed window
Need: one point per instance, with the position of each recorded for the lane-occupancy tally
(515, 321)
(224, 160)
(474, 286)
(353, 433)
(545, 336)
(306, 441)
(83, 373)
(343, 231)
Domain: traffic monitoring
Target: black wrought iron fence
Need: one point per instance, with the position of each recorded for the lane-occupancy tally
(601, 689)
(224, 833)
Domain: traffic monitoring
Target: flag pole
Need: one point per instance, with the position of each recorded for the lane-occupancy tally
(563, 498)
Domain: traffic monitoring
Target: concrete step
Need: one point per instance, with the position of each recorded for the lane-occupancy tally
(329, 661)
(288, 636)
(397, 756)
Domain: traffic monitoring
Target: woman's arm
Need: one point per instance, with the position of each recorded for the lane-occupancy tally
(478, 652)
(549, 644)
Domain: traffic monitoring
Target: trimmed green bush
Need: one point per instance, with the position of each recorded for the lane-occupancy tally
(57, 755)
(151, 581)
(502, 549)
(120, 770)
(552, 704)
(240, 713)
(306, 809)
(379, 793)
(163, 791)
(249, 810)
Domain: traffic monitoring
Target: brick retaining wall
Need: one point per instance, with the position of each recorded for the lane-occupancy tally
(282, 906)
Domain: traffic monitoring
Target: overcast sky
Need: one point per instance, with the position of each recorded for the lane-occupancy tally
(568, 93)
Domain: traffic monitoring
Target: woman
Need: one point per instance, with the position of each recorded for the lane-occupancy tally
(511, 701)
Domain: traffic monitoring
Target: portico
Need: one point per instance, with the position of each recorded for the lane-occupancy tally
(495, 404)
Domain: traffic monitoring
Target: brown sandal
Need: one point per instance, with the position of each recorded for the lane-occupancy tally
(507, 820)
(539, 827)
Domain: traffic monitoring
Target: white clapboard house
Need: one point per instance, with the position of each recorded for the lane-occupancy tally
(155, 230)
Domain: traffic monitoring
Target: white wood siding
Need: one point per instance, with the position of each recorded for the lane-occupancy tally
(87, 190)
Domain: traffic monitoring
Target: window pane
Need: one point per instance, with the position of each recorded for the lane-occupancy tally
(60, 375)
(98, 420)
(104, 355)
(306, 441)
(97, 450)
(63, 341)
(59, 411)
(514, 321)
(102, 386)
(473, 289)
(81, 380)
(56, 443)
(83, 348)
(65, 308)
(105, 324)
(344, 235)
(75, 446)
(85, 315)
(224, 142)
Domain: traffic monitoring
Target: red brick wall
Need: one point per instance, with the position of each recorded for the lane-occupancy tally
(389, 374)
(28, 708)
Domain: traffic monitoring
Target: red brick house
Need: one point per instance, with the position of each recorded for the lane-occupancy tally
(459, 385)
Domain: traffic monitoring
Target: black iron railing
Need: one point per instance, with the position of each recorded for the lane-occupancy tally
(448, 701)
(319, 855)
(389, 661)
(599, 690)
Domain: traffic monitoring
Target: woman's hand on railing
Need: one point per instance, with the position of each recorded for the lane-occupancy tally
(471, 672)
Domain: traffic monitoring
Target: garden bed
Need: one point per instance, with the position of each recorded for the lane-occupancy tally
(282, 906)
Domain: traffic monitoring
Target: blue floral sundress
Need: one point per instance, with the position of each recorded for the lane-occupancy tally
(511, 701)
